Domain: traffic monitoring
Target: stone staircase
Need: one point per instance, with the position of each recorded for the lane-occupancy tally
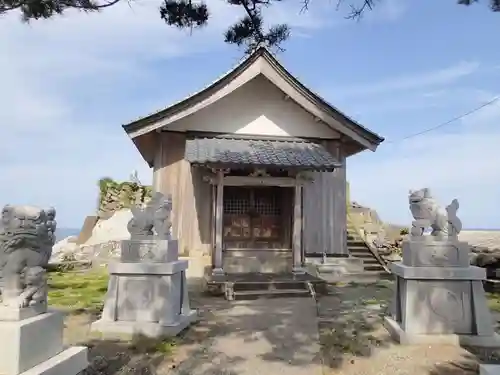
(373, 270)
(265, 285)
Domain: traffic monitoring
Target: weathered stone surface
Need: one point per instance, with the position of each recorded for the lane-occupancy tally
(149, 250)
(147, 291)
(153, 220)
(31, 341)
(427, 213)
(26, 240)
(438, 297)
(116, 196)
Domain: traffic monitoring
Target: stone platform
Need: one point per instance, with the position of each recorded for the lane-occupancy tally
(31, 344)
(334, 269)
(489, 369)
(147, 292)
(439, 297)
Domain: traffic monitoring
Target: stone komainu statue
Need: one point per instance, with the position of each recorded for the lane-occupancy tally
(27, 235)
(427, 213)
(153, 219)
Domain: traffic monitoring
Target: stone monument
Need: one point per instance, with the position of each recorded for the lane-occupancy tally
(31, 335)
(147, 291)
(438, 297)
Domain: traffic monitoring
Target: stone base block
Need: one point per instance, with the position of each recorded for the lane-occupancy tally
(406, 338)
(126, 330)
(258, 261)
(149, 250)
(426, 251)
(16, 314)
(29, 342)
(69, 362)
(489, 369)
(335, 268)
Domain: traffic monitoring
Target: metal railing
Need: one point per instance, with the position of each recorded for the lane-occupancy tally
(371, 247)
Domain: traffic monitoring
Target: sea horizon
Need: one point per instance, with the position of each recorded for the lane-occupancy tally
(62, 233)
(482, 229)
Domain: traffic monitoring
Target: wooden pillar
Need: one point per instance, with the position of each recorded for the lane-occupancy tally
(158, 163)
(297, 231)
(219, 199)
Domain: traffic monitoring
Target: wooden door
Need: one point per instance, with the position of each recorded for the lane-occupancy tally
(252, 218)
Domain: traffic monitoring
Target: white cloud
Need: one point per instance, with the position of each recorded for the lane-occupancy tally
(413, 81)
(68, 83)
(460, 161)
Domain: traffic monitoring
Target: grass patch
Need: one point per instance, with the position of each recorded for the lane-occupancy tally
(371, 301)
(146, 345)
(77, 291)
(493, 301)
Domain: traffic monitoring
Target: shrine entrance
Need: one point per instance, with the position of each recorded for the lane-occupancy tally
(257, 218)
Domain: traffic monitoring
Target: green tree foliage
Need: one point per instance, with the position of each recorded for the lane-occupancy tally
(249, 31)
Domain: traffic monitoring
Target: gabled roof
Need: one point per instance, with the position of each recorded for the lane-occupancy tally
(260, 62)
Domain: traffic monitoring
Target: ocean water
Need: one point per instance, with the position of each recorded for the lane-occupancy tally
(62, 233)
(483, 229)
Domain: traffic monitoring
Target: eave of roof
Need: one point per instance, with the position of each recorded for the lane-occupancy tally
(259, 153)
(134, 128)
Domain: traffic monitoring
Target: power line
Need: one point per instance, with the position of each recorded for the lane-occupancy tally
(447, 122)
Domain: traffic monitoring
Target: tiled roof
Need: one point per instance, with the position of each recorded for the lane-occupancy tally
(284, 154)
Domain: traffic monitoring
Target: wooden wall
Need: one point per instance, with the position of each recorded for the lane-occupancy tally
(191, 196)
(324, 201)
(325, 209)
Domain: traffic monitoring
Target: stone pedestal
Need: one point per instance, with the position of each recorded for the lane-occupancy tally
(147, 292)
(32, 344)
(439, 297)
(489, 369)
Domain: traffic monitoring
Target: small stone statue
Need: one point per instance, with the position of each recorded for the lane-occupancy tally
(454, 222)
(153, 219)
(26, 240)
(162, 222)
(427, 213)
(35, 287)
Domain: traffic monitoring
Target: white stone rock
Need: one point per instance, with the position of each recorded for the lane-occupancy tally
(103, 238)
(62, 248)
(112, 229)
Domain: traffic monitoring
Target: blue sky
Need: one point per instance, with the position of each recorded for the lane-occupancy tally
(70, 82)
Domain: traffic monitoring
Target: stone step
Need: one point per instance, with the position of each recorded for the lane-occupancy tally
(249, 294)
(367, 277)
(359, 244)
(242, 286)
(359, 250)
(368, 259)
(373, 267)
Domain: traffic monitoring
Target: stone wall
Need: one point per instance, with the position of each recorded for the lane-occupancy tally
(115, 196)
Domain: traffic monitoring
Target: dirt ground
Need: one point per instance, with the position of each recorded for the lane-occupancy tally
(143, 356)
(353, 341)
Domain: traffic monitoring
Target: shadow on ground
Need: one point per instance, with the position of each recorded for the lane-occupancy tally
(259, 336)
(266, 336)
(350, 322)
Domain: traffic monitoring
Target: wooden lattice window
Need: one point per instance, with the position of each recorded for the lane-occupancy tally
(267, 202)
(236, 201)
